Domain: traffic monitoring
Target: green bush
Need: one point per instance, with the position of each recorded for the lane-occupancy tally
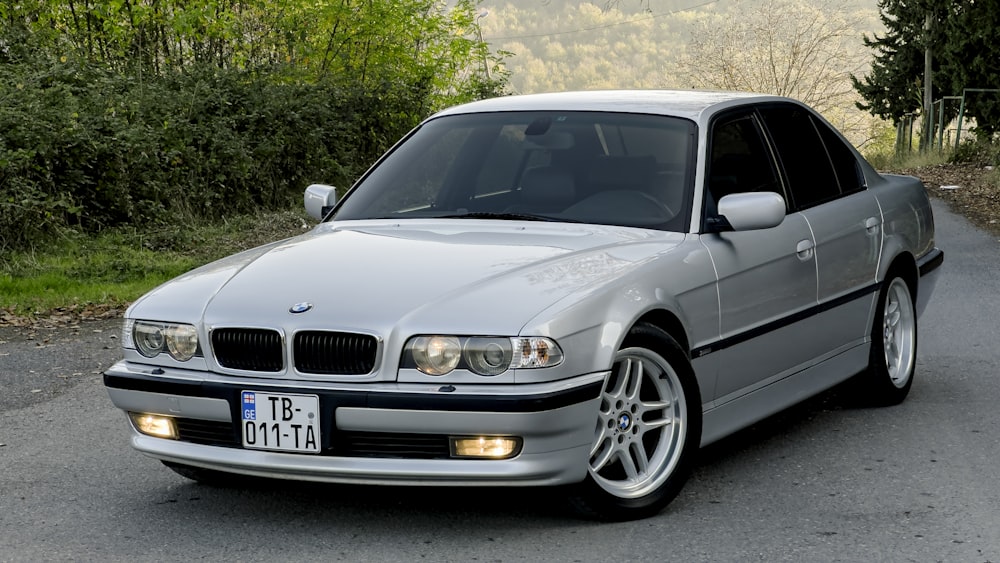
(178, 110)
(86, 148)
(981, 152)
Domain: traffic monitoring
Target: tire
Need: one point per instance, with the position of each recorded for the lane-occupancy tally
(648, 430)
(893, 358)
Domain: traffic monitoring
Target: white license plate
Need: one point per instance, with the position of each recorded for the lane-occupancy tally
(280, 422)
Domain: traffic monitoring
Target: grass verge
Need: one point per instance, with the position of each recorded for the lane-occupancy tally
(908, 160)
(77, 275)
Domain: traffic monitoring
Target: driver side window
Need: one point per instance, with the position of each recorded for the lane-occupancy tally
(739, 161)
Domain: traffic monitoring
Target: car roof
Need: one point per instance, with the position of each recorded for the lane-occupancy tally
(690, 104)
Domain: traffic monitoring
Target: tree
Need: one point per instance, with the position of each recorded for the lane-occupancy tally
(964, 38)
(161, 111)
(894, 85)
(423, 43)
(971, 56)
(792, 48)
(782, 47)
(569, 45)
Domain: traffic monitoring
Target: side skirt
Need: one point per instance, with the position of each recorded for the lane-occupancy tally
(722, 420)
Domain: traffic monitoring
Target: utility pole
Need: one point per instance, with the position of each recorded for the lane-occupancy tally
(928, 90)
(486, 62)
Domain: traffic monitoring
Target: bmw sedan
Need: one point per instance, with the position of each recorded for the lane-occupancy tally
(573, 289)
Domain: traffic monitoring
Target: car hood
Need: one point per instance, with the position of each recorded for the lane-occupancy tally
(373, 276)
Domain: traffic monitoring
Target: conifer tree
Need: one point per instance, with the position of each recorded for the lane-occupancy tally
(894, 85)
(972, 56)
(964, 38)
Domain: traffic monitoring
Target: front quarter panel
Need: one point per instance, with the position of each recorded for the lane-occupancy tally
(678, 283)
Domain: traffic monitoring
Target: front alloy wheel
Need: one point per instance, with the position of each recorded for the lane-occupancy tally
(648, 430)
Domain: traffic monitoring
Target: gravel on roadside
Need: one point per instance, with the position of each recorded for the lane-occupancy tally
(41, 361)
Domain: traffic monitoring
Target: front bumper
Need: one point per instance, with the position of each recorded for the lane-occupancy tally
(555, 421)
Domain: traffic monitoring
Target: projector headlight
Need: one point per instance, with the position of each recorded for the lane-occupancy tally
(483, 355)
(151, 339)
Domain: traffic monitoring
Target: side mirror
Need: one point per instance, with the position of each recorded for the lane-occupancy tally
(319, 199)
(753, 210)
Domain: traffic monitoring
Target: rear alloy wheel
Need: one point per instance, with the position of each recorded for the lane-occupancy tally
(893, 358)
(648, 430)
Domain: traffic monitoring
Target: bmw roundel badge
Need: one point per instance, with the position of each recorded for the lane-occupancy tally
(300, 307)
(624, 421)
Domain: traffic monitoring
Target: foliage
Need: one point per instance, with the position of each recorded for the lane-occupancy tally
(568, 45)
(781, 47)
(893, 161)
(584, 45)
(894, 86)
(87, 147)
(789, 48)
(966, 54)
(565, 44)
(123, 112)
(971, 59)
(880, 151)
(977, 151)
(365, 40)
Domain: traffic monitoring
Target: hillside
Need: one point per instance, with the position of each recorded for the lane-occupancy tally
(564, 45)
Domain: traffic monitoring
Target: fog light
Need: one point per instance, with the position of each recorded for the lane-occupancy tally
(155, 425)
(492, 447)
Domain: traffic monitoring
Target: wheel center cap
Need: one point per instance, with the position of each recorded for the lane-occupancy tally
(624, 421)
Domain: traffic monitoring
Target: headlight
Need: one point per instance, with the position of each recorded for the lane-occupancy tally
(151, 339)
(148, 338)
(436, 355)
(182, 341)
(488, 356)
(483, 355)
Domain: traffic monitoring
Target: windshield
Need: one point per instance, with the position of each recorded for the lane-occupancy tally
(591, 167)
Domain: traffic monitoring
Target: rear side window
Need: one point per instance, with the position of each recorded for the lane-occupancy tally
(808, 168)
(845, 164)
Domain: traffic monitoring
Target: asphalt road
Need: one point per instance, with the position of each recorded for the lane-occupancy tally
(824, 481)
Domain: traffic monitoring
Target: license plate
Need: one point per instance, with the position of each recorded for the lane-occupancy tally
(280, 422)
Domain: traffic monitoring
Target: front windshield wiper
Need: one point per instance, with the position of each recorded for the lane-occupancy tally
(502, 216)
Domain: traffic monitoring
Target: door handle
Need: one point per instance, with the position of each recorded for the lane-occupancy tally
(872, 225)
(804, 249)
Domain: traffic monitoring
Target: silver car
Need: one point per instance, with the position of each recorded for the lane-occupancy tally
(573, 289)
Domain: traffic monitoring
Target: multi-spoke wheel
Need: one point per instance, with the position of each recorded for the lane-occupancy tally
(893, 357)
(648, 429)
